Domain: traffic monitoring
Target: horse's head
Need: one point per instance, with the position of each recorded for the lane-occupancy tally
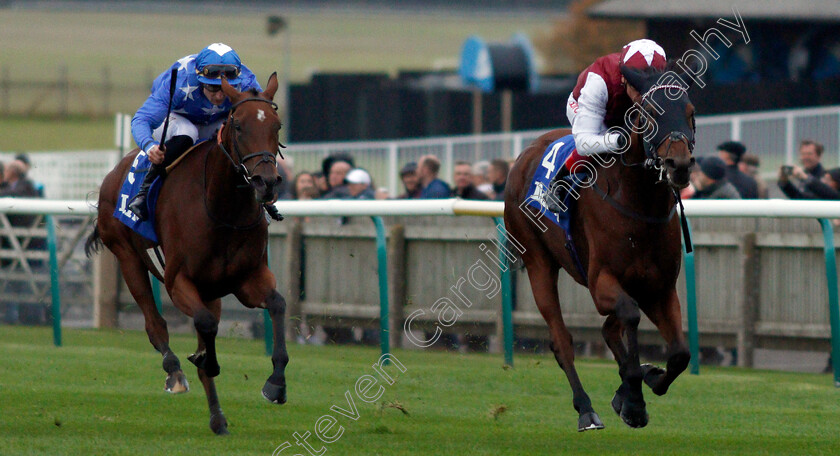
(666, 121)
(251, 134)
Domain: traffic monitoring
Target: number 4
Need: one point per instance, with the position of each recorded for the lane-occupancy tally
(550, 158)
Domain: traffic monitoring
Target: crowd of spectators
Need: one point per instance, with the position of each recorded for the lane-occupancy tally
(340, 178)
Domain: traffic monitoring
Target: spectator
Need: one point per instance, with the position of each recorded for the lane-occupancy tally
(335, 179)
(810, 187)
(320, 182)
(480, 178)
(711, 181)
(410, 181)
(327, 166)
(16, 182)
(498, 178)
(2, 179)
(282, 191)
(432, 187)
(749, 165)
(24, 158)
(359, 185)
(463, 179)
(303, 180)
(731, 152)
(799, 182)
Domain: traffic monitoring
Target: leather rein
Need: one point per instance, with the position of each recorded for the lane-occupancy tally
(240, 168)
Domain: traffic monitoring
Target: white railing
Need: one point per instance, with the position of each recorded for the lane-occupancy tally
(772, 135)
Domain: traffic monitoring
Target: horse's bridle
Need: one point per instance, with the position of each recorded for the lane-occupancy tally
(652, 159)
(264, 155)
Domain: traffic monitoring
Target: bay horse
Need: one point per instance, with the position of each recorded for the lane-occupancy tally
(213, 232)
(626, 244)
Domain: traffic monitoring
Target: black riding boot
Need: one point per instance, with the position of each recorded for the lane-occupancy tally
(173, 149)
(552, 204)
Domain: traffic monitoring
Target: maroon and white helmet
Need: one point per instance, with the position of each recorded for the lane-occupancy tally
(642, 54)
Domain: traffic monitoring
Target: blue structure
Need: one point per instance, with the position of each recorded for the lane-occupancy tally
(492, 67)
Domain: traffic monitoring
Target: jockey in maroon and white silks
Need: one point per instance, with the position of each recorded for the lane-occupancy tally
(600, 99)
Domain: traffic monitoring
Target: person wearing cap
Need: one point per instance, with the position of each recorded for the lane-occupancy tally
(711, 181)
(410, 181)
(731, 152)
(198, 109)
(799, 182)
(601, 98)
(358, 185)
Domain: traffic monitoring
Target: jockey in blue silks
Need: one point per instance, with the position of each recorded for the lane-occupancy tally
(199, 107)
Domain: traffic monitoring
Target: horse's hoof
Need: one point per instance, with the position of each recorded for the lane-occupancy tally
(176, 383)
(589, 421)
(634, 416)
(218, 424)
(617, 402)
(651, 374)
(276, 394)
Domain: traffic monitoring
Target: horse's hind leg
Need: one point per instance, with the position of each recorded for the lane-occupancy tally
(611, 299)
(137, 279)
(205, 360)
(668, 319)
(260, 292)
(543, 277)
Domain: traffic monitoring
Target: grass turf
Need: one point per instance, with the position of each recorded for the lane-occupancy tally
(102, 393)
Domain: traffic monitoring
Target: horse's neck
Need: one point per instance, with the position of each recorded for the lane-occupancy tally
(228, 197)
(637, 188)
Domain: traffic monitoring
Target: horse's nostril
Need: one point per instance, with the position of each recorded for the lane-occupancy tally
(670, 163)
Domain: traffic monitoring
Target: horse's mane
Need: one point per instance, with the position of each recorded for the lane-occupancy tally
(252, 91)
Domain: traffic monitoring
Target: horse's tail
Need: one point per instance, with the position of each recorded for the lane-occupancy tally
(93, 242)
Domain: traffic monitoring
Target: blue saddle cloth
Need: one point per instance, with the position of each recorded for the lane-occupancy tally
(553, 158)
(132, 183)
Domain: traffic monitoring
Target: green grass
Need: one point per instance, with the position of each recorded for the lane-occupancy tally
(43, 134)
(102, 393)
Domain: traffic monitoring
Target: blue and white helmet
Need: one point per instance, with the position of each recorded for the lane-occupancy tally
(216, 60)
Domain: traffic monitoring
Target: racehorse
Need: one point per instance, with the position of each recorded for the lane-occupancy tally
(625, 246)
(213, 232)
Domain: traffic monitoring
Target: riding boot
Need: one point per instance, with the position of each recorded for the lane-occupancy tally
(173, 149)
(553, 204)
(138, 205)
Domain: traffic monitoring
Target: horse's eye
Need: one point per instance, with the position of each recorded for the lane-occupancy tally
(237, 127)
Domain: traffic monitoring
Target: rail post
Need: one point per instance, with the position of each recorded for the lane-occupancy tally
(691, 309)
(382, 256)
(833, 310)
(54, 289)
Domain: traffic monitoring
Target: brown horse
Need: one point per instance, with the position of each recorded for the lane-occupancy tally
(213, 232)
(627, 239)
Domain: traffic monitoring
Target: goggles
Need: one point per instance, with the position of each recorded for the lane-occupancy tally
(217, 71)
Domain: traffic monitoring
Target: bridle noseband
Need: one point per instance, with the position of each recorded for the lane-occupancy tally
(264, 155)
(652, 159)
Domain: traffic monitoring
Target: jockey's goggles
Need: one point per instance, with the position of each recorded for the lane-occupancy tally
(217, 71)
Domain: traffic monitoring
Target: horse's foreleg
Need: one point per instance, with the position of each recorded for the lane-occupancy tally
(261, 293)
(206, 325)
(611, 299)
(611, 331)
(668, 319)
(137, 279)
(543, 278)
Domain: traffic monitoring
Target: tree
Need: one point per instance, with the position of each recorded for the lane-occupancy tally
(577, 39)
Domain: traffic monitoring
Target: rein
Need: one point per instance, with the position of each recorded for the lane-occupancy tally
(241, 169)
(655, 162)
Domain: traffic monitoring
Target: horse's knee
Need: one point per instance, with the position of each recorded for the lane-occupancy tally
(275, 303)
(679, 358)
(205, 323)
(627, 311)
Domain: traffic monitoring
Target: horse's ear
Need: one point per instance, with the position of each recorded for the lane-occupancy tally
(634, 77)
(271, 88)
(229, 90)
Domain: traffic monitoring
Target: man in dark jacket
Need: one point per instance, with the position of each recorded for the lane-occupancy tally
(800, 182)
(711, 180)
(463, 179)
(433, 188)
(731, 152)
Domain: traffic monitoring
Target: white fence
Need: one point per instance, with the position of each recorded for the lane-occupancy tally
(773, 136)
